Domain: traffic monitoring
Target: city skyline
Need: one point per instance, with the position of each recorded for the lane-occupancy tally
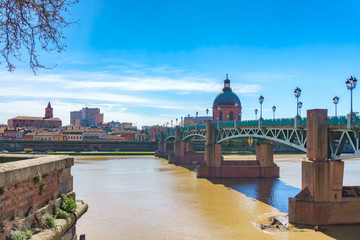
(150, 63)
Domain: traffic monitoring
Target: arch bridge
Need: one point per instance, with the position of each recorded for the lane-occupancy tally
(343, 141)
(326, 140)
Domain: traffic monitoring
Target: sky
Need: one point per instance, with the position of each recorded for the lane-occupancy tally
(150, 62)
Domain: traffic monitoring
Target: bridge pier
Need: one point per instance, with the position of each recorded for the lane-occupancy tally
(323, 199)
(183, 153)
(215, 166)
(162, 147)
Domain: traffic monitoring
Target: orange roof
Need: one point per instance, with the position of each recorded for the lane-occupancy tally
(34, 118)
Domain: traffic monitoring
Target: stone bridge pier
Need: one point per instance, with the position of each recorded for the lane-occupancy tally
(183, 152)
(162, 147)
(214, 165)
(323, 199)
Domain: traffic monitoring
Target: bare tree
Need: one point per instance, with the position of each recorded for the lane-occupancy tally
(31, 26)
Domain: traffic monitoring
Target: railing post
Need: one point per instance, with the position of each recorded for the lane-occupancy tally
(350, 120)
(297, 122)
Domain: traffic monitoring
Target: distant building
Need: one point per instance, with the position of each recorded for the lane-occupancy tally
(87, 117)
(144, 128)
(141, 137)
(154, 130)
(36, 122)
(227, 105)
(196, 120)
(94, 134)
(72, 135)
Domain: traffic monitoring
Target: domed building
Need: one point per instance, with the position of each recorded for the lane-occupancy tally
(227, 105)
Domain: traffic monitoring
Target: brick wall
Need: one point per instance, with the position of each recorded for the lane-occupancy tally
(20, 192)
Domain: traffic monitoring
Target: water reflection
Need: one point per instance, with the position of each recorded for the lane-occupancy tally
(273, 192)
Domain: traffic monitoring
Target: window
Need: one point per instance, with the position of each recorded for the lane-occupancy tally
(220, 115)
(231, 116)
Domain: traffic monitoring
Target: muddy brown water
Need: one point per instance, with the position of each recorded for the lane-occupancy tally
(143, 197)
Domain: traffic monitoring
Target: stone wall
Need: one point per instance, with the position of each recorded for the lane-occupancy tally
(30, 184)
(77, 146)
(20, 186)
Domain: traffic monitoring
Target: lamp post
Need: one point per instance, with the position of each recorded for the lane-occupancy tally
(261, 100)
(351, 84)
(176, 120)
(236, 115)
(188, 123)
(300, 106)
(207, 112)
(297, 94)
(172, 123)
(181, 122)
(336, 101)
(256, 111)
(274, 109)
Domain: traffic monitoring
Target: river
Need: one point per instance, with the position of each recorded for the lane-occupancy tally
(143, 197)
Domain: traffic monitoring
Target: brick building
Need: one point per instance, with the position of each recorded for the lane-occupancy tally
(87, 117)
(227, 105)
(36, 122)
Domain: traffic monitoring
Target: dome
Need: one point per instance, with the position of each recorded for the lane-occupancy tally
(226, 96)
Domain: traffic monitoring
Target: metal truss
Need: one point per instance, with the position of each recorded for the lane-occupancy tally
(193, 132)
(339, 138)
(292, 137)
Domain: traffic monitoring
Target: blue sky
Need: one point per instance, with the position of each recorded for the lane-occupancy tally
(149, 62)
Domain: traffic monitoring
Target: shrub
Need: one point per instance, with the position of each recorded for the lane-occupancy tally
(21, 235)
(61, 214)
(67, 204)
(49, 220)
(42, 188)
(37, 178)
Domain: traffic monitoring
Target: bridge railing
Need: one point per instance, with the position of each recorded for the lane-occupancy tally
(339, 120)
(332, 120)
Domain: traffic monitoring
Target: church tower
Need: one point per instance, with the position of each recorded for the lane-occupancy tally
(48, 111)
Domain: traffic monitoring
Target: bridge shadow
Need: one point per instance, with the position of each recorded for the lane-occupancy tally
(273, 192)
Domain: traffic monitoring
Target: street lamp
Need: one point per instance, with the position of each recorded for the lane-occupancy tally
(207, 112)
(188, 120)
(351, 84)
(261, 100)
(274, 109)
(236, 108)
(171, 123)
(300, 106)
(182, 123)
(256, 111)
(336, 101)
(176, 120)
(297, 94)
